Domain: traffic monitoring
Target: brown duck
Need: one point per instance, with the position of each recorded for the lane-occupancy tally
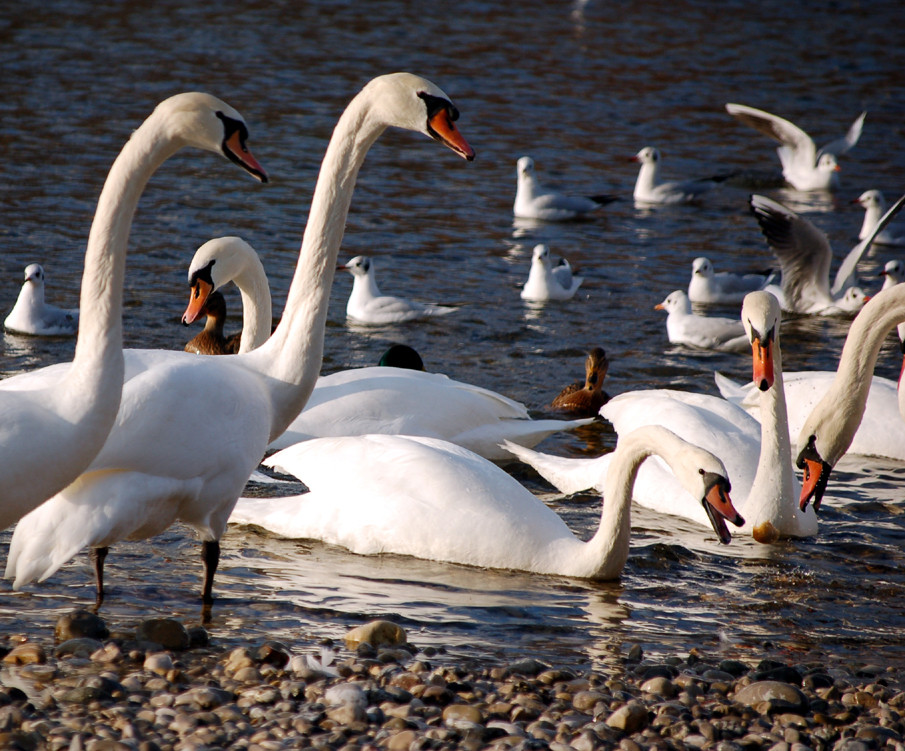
(211, 341)
(585, 399)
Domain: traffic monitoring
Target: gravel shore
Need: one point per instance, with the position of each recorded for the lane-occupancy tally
(162, 686)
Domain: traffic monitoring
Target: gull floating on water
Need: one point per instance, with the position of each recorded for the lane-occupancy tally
(549, 282)
(650, 189)
(803, 166)
(685, 327)
(534, 201)
(32, 315)
(709, 286)
(874, 206)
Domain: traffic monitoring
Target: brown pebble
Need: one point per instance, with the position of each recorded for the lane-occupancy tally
(375, 633)
(28, 653)
(167, 632)
(80, 624)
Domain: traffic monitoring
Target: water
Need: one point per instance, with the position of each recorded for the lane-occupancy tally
(580, 88)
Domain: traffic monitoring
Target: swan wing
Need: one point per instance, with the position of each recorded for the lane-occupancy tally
(568, 475)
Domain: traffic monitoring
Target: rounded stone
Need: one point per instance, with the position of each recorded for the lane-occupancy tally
(167, 632)
(81, 647)
(80, 624)
(27, 653)
(159, 662)
(376, 633)
(630, 717)
(771, 691)
(659, 687)
(462, 712)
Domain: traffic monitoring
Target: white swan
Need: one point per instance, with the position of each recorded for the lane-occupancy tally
(375, 399)
(368, 306)
(805, 255)
(66, 414)
(874, 205)
(549, 282)
(803, 166)
(757, 457)
(535, 201)
(650, 189)
(231, 259)
(191, 429)
(435, 500)
(709, 286)
(32, 315)
(830, 427)
(705, 332)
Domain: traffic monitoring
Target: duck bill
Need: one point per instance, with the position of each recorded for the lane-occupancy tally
(762, 358)
(443, 129)
(719, 508)
(814, 482)
(237, 152)
(201, 290)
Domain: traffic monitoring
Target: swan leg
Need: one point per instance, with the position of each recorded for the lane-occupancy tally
(98, 555)
(210, 555)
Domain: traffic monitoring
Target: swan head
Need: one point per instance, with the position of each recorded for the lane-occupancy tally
(203, 121)
(675, 302)
(702, 266)
(816, 472)
(705, 477)
(761, 316)
(215, 264)
(408, 101)
(358, 266)
(647, 155)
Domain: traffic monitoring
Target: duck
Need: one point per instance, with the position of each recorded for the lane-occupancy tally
(32, 315)
(211, 340)
(549, 282)
(368, 306)
(398, 494)
(758, 457)
(66, 412)
(874, 205)
(709, 286)
(191, 429)
(805, 256)
(832, 424)
(704, 332)
(803, 166)
(649, 189)
(585, 398)
(386, 398)
(535, 201)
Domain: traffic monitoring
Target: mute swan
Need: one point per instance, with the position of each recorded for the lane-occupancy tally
(586, 398)
(805, 256)
(367, 305)
(757, 457)
(191, 429)
(231, 259)
(211, 340)
(803, 166)
(32, 315)
(874, 206)
(534, 201)
(650, 189)
(829, 429)
(432, 499)
(375, 399)
(685, 327)
(66, 413)
(708, 286)
(549, 282)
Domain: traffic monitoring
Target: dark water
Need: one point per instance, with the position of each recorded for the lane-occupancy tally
(578, 87)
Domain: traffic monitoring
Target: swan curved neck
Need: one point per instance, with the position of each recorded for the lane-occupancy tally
(292, 356)
(257, 309)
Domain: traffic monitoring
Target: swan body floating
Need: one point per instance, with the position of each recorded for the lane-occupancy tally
(392, 400)
(757, 457)
(585, 398)
(805, 255)
(650, 189)
(803, 166)
(431, 499)
(874, 205)
(190, 429)
(709, 286)
(549, 282)
(831, 426)
(66, 412)
(368, 306)
(705, 332)
(534, 201)
(32, 315)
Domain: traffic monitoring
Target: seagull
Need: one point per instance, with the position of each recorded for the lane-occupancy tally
(874, 206)
(534, 201)
(31, 315)
(893, 273)
(549, 282)
(709, 286)
(803, 166)
(685, 327)
(648, 189)
(366, 304)
(805, 256)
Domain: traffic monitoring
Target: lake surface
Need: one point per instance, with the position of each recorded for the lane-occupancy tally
(580, 88)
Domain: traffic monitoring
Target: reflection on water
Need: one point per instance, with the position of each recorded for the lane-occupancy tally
(580, 88)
